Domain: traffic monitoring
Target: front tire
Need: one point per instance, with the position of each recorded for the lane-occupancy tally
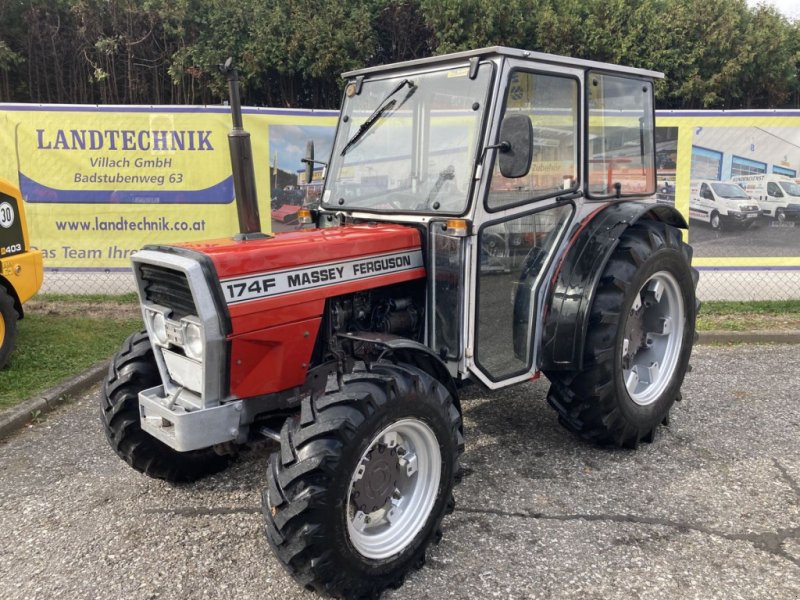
(363, 480)
(641, 331)
(132, 370)
(716, 221)
(8, 326)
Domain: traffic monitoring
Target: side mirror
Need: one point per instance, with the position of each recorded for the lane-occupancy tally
(516, 146)
(309, 161)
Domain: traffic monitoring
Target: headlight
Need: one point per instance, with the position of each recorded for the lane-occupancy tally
(193, 342)
(159, 324)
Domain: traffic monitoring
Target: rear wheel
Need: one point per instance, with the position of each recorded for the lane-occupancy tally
(8, 326)
(641, 331)
(363, 480)
(132, 370)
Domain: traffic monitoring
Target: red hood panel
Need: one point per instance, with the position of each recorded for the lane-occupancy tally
(306, 247)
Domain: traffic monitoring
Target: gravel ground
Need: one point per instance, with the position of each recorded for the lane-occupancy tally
(711, 509)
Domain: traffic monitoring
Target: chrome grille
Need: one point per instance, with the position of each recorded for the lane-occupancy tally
(168, 288)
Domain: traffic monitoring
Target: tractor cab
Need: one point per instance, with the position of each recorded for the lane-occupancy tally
(493, 155)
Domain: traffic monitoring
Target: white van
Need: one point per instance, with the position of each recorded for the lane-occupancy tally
(778, 196)
(722, 204)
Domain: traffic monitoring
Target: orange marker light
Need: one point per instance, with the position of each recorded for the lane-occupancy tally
(304, 216)
(457, 227)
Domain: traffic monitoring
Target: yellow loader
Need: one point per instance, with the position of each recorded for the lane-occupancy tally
(20, 267)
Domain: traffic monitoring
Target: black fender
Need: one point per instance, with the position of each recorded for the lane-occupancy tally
(578, 274)
(412, 353)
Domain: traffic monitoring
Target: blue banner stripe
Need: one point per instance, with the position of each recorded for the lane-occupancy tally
(220, 193)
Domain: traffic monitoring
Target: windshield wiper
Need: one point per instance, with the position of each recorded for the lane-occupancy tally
(385, 106)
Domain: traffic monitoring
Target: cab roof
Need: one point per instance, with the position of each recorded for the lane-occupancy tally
(502, 51)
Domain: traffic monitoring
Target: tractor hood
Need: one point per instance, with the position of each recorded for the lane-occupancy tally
(304, 248)
(289, 276)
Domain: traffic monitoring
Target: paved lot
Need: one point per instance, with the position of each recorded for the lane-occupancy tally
(710, 510)
(769, 239)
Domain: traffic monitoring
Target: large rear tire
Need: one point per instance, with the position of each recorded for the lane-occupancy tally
(641, 331)
(132, 370)
(8, 326)
(363, 480)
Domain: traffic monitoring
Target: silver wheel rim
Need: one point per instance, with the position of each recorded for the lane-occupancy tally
(653, 336)
(715, 221)
(388, 530)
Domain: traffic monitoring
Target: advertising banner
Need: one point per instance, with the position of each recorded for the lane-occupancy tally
(734, 174)
(100, 182)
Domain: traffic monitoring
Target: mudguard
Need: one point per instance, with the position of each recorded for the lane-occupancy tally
(577, 277)
(412, 353)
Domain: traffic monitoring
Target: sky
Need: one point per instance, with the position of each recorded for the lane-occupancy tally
(289, 143)
(789, 8)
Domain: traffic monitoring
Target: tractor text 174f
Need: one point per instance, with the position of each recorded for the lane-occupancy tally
(484, 217)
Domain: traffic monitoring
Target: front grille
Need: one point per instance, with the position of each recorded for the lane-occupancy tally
(168, 288)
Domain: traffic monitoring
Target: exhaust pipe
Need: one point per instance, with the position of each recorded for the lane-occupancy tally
(244, 179)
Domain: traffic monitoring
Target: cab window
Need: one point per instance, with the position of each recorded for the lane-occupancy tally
(551, 103)
(620, 147)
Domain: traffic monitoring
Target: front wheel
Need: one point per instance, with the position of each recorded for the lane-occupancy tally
(132, 370)
(715, 221)
(363, 480)
(641, 331)
(8, 326)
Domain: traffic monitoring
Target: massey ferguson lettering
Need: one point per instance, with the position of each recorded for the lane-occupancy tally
(299, 280)
(264, 285)
(382, 264)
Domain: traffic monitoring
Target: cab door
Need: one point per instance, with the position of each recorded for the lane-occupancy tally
(520, 222)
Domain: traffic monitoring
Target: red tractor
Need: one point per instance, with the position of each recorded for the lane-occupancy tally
(485, 216)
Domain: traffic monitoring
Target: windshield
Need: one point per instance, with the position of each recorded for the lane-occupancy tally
(790, 188)
(729, 190)
(408, 143)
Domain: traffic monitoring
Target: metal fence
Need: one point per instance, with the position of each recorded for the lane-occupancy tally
(715, 283)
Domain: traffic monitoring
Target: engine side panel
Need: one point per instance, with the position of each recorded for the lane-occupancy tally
(272, 359)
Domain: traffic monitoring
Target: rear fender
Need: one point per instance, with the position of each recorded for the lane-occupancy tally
(578, 275)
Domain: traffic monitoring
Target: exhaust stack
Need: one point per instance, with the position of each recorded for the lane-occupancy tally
(244, 179)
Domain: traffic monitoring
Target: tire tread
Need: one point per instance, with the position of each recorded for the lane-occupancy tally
(294, 516)
(134, 369)
(585, 401)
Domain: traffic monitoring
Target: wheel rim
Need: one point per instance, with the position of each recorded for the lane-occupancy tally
(653, 336)
(393, 489)
(781, 216)
(715, 221)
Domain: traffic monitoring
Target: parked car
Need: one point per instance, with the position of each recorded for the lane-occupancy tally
(722, 204)
(778, 196)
